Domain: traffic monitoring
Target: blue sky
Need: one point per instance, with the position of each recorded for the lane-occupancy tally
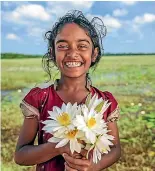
(130, 24)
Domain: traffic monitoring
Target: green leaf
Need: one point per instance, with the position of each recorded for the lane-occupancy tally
(99, 106)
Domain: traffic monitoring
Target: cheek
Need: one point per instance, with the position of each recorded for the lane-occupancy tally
(59, 56)
(88, 59)
(58, 61)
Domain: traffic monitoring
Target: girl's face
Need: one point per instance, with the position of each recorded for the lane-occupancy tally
(73, 50)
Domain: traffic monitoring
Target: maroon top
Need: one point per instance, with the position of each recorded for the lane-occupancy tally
(43, 99)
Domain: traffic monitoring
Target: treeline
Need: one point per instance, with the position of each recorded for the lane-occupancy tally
(20, 56)
(17, 56)
(127, 54)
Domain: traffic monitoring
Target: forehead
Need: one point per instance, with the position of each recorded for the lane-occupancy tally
(72, 30)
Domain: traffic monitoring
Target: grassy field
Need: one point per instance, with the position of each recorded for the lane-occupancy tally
(130, 79)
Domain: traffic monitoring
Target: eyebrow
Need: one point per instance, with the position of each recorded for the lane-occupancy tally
(79, 40)
(61, 40)
(85, 40)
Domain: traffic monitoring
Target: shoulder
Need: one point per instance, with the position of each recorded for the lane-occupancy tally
(36, 95)
(105, 95)
(109, 96)
(39, 89)
(34, 99)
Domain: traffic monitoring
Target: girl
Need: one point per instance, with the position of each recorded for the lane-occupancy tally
(74, 47)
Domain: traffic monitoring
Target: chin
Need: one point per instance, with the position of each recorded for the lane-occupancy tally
(74, 75)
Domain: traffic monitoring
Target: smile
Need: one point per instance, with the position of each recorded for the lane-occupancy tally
(73, 64)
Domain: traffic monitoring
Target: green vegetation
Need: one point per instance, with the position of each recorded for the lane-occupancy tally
(18, 56)
(22, 56)
(130, 79)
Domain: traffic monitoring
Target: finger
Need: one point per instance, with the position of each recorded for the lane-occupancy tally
(83, 152)
(68, 168)
(77, 167)
(81, 162)
(77, 155)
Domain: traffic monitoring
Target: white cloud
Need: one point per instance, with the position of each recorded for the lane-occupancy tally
(120, 12)
(60, 8)
(34, 11)
(23, 14)
(12, 36)
(146, 18)
(132, 29)
(129, 2)
(110, 22)
(81, 4)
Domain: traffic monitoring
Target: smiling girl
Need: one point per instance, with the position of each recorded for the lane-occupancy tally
(74, 47)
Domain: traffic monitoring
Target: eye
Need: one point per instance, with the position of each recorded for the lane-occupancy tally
(82, 46)
(62, 47)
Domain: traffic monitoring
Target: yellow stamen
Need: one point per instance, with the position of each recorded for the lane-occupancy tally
(64, 119)
(71, 134)
(91, 122)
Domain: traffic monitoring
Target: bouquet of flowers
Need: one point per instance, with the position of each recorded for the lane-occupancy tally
(74, 124)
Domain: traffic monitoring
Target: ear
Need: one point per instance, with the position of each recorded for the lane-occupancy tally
(95, 54)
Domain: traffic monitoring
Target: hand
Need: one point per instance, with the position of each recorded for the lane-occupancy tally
(73, 164)
(66, 149)
(81, 155)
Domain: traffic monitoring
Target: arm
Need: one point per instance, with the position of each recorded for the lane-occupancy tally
(29, 154)
(106, 161)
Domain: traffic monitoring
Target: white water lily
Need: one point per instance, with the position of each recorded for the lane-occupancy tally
(61, 118)
(101, 146)
(90, 121)
(71, 136)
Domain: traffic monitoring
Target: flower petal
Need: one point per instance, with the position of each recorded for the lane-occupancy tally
(105, 106)
(62, 143)
(51, 123)
(59, 111)
(91, 136)
(72, 146)
(63, 108)
(94, 156)
(98, 154)
(57, 128)
(54, 140)
(53, 115)
(59, 133)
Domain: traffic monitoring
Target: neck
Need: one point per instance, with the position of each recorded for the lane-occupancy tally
(72, 83)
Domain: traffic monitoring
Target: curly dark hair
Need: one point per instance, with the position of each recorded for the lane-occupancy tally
(95, 29)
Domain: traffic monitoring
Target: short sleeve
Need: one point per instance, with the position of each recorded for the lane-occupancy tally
(30, 104)
(113, 112)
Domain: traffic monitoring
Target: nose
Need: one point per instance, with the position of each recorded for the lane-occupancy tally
(72, 52)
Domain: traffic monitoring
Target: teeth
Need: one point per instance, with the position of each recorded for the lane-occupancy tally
(73, 64)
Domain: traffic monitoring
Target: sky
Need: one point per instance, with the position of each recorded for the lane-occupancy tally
(130, 24)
